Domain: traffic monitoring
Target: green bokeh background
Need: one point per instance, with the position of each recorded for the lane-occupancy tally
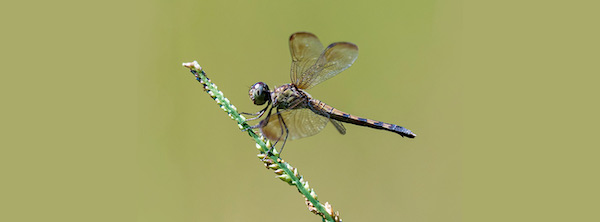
(101, 123)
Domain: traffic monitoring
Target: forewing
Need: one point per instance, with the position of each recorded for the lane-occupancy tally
(336, 58)
(305, 49)
(299, 122)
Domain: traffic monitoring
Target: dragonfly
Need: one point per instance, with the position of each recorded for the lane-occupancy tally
(292, 113)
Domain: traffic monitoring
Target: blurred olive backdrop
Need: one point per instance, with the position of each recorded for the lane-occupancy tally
(101, 123)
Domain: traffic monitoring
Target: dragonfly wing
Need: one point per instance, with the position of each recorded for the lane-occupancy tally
(300, 123)
(305, 49)
(338, 125)
(336, 58)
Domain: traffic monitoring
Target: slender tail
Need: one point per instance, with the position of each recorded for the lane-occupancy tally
(326, 110)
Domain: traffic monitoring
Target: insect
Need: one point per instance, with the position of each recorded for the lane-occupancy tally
(292, 113)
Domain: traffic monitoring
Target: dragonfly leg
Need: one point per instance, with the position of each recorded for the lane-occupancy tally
(256, 115)
(287, 132)
(283, 126)
(262, 123)
(278, 139)
(284, 129)
(251, 127)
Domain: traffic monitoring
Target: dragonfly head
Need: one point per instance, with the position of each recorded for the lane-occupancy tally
(260, 93)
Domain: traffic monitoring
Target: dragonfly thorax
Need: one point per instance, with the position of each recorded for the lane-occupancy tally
(289, 96)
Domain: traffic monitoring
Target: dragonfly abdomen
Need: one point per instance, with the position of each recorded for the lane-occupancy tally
(328, 111)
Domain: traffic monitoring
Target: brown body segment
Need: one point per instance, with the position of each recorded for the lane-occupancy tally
(326, 110)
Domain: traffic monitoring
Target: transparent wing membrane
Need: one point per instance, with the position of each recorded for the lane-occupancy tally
(305, 49)
(339, 126)
(300, 123)
(336, 58)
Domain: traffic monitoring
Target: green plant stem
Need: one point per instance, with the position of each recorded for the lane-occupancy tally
(287, 173)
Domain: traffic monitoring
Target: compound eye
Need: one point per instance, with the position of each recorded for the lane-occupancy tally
(259, 93)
